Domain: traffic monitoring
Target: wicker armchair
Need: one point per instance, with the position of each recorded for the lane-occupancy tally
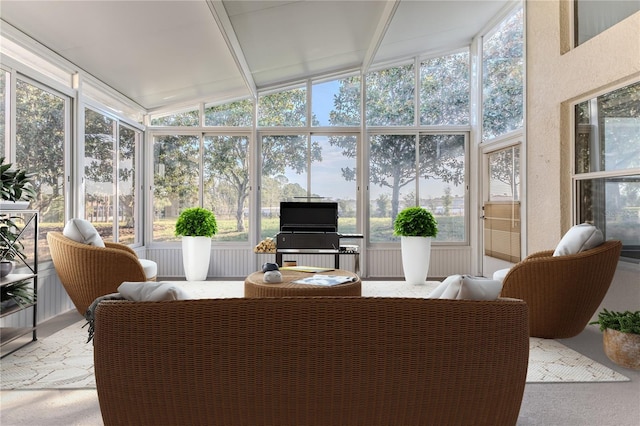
(562, 292)
(317, 361)
(87, 272)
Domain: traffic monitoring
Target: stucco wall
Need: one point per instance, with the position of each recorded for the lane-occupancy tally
(554, 81)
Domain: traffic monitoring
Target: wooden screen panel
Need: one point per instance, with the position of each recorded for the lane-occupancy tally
(502, 230)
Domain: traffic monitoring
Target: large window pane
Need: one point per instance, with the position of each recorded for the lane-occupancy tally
(608, 131)
(442, 186)
(185, 118)
(40, 141)
(594, 16)
(390, 100)
(127, 200)
(99, 171)
(4, 77)
(333, 176)
(236, 114)
(336, 102)
(283, 109)
(284, 176)
(226, 185)
(444, 90)
(299, 168)
(504, 175)
(613, 205)
(176, 180)
(502, 78)
(392, 176)
(430, 173)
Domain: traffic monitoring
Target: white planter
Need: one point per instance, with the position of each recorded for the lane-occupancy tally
(196, 252)
(416, 253)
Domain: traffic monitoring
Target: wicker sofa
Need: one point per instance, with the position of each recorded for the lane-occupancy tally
(311, 361)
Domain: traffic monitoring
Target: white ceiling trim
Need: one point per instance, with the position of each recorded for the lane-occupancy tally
(226, 28)
(378, 36)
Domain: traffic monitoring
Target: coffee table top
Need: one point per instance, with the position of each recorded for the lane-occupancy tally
(254, 285)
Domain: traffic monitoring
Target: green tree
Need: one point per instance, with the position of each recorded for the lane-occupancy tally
(40, 134)
(227, 161)
(503, 69)
(444, 90)
(447, 201)
(177, 170)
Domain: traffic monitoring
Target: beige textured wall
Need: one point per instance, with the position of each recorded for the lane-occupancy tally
(554, 81)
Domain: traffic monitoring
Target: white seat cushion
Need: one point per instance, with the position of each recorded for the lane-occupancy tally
(500, 274)
(579, 238)
(82, 231)
(150, 268)
(467, 287)
(150, 291)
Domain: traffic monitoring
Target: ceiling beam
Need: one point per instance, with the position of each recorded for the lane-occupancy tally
(226, 28)
(383, 24)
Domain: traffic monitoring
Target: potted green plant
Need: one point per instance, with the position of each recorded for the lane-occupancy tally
(16, 186)
(16, 191)
(621, 338)
(19, 293)
(416, 226)
(196, 226)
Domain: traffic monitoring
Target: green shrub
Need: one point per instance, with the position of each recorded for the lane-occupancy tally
(196, 222)
(415, 222)
(625, 322)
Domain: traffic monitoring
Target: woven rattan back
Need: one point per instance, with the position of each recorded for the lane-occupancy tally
(311, 361)
(563, 292)
(87, 272)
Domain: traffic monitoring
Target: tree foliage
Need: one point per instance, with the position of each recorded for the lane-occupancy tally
(40, 135)
(503, 69)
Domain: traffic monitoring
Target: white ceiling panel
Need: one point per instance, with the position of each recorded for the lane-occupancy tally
(162, 52)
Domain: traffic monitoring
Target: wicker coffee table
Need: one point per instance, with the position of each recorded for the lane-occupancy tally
(254, 285)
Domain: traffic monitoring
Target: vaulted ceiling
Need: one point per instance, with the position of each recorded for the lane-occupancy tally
(161, 52)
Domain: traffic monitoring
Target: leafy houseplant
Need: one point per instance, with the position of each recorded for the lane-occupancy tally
(16, 183)
(196, 226)
(415, 222)
(624, 322)
(16, 186)
(415, 226)
(19, 293)
(196, 222)
(621, 338)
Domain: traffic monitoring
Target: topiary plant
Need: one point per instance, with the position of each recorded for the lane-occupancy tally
(624, 322)
(415, 222)
(196, 222)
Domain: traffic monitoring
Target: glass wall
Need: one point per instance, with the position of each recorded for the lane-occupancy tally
(444, 90)
(42, 117)
(176, 181)
(429, 171)
(502, 78)
(4, 112)
(110, 196)
(607, 161)
(226, 184)
(595, 16)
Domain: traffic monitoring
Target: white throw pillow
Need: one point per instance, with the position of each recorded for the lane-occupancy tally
(467, 287)
(82, 231)
(500, 274)
(579, 238)
(150, 291)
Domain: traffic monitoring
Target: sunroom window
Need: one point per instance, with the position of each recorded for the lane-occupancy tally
(607, 165)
